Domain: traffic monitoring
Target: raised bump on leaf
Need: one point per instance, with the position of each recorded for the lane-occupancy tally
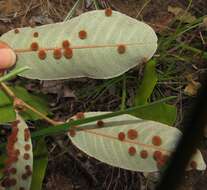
(143, 154)
(15, 164)
(27, 147)
(72, 132)
(121, 136)
(100, 123)
(68, 53)
(132, 134)
(26, 134)
(156, 140)
(82, 34)
(108, 11)
(35, 34)
(26, 156)
(157, 155)
(34, 46)
(16, 31)
(121, 49)
(132, 151)
(65, 44)
(193, 164)
(57, 53)
(80, 115)
(42, 54)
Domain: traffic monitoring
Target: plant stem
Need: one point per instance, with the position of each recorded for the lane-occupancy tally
(13, 73)
(10, 93)
(66, 126)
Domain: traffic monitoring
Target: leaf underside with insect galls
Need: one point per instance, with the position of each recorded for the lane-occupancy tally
(19, 164)
(101, 46)
(129, 142)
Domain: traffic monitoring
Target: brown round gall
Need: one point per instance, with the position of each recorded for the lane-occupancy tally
(121, 136)
(132, 151)
(132, 134)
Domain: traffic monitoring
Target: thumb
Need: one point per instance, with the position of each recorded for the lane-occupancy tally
(7, 56)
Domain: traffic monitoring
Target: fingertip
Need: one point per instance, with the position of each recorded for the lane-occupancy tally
(7, 57)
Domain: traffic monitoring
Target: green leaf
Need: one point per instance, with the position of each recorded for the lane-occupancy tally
(105, 143)
(40, 164)
(4, 99)
(19, 157)
(39, 102)
(96, 56)
(7, 114)
(162, 112)
(148, 83)
(6, 107)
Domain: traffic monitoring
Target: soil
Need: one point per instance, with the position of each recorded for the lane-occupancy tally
(69, 168)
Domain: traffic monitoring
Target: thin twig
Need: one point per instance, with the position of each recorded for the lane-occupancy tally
(11, 94)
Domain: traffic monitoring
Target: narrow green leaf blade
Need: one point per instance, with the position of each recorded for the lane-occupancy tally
(40, 164)
(7, 114)
(148, 83)
(164, 113)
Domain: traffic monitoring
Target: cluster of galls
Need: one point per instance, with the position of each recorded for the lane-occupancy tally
(65, 49)
(10, 172)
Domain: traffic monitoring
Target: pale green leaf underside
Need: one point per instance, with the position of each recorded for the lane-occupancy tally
(103, 144)
(22, 163)
(100, 62)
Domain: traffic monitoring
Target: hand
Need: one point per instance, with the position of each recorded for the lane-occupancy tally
(7, 57)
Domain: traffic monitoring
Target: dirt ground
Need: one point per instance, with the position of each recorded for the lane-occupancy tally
(72, 169)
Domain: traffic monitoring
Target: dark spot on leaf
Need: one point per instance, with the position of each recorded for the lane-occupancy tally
(68, 53)
(72, 132)
(35, 34)
(42, 54)
(132, 134)
(143, 154)
(79, 115)
(34, 46)
(16, 31)
(121, 136)
(27, 147)
(26, 156)
(156, 140)
(132, 151)
(66, 44)
(121, 49)
(108, 11)
(26, 134)
(57, 54)
(157, 155)
(100, 123)
(82, 34)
